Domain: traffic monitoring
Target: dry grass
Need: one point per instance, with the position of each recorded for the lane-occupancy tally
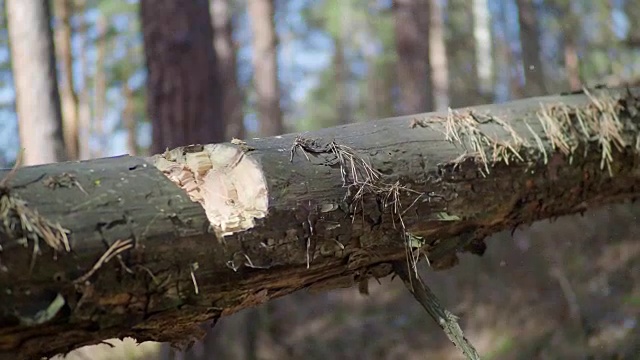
(24, 224)
(566, 129)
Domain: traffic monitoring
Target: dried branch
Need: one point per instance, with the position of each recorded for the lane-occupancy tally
(443, 317)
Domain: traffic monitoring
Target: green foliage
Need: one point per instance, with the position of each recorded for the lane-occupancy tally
(366, 36)
(125, 55)
(109, 8)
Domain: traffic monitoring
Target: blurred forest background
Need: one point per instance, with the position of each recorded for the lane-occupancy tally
(138, 76)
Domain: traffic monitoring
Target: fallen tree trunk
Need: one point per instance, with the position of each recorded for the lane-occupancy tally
(151, 248)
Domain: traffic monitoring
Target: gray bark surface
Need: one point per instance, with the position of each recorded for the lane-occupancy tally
(225, 47)
(411, 29)
(35, 80)
(265, 66)
(184, 93)
(174, 273)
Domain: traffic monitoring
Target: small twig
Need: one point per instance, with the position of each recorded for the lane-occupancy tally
(568, 292)
(116, 248)
(124, 266)
(195, 267)
(148, 271)
(443, 317)
(4, 183)
(308, 246)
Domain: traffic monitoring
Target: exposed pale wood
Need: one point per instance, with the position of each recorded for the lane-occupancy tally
(316, 235)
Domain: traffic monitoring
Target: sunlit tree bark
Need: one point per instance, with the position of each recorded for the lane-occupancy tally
(63, 33)
(412, 46)
(225, 48)
(530, 44)
(35, 81)
(265, 66)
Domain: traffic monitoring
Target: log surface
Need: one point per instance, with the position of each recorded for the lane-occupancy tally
(145, 261)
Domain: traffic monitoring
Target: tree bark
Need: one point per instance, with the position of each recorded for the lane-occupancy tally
(100, 87)
(483, 43)
(149, 259)
(632, 11)
(184, 94)
(381, 72)
(531, 54)
(129, 119)
(71, 126)
(84, 93)
(461, 52)
(225, 48)
(341, 72)
(570, 29)
(438, 57)
(506, 65)
(265, 66)
(412, 46)
(380, 81)
(35, 81)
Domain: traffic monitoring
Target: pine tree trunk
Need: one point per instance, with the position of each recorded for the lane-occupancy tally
(341, 72)
(438, 57)
(461, 53)
(100, 88)
(184, 95)
(84, 93)
(35, 81)
(129, 120)
(265, 66)
(632, 10)
(412, 46)
(530, 43)
(225, 49)
(64, 11)
(570, 28)
(484, 52)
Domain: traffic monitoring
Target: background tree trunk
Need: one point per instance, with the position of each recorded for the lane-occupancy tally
(530, 43)
(438, 57)
(184, 95)
(84, 93)
(341, 72)
(63, 10)
(100, 88)
(225, 48)
(412, 46)
(632, 10)
(129, 120)
(570, 23)
(265, 66)
(381, 78)
(461, 53)
(35, 81)
(482, 34)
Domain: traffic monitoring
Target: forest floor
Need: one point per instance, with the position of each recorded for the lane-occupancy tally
(568, 289)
